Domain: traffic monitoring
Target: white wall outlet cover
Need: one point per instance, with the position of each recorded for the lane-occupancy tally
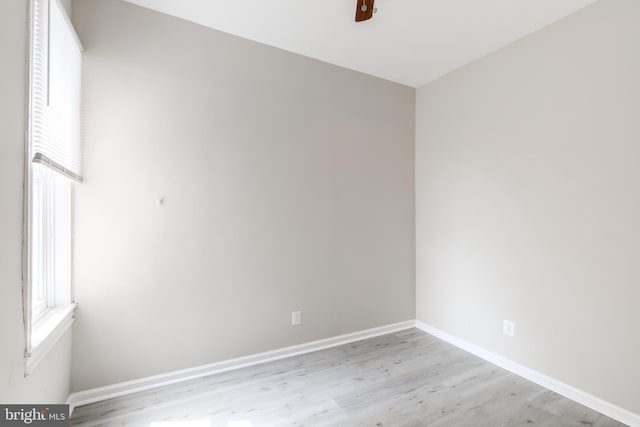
(509, 328)
(296, 318)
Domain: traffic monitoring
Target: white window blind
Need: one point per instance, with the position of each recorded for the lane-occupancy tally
(55, 90)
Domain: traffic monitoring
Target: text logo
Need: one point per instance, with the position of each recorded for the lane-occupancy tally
(34, 415)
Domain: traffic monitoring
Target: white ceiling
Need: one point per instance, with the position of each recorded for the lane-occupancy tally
(408, 41)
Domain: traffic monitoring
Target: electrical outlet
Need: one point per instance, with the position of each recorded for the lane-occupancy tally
(509, 328)
(296, 318)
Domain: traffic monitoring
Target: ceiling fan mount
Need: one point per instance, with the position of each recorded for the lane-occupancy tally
(364, 10)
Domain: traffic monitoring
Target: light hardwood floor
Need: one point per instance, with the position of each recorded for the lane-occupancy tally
(406, 379)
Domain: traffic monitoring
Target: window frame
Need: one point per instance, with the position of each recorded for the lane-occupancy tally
(46, 322)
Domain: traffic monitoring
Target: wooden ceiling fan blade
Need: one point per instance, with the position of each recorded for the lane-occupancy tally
(364, 10)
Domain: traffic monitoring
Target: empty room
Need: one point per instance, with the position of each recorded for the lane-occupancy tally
(384, 213)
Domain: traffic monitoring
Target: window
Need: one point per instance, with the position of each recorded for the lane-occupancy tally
(53, 168)
(51, 241)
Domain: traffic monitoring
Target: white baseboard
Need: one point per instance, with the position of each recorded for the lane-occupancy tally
(561, 388)
(122, 389)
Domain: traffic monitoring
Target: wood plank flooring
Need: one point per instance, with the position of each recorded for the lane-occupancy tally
(406, 379)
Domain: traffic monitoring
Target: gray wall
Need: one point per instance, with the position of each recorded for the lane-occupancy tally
(50, 381)
(528, 205)
(288, 184)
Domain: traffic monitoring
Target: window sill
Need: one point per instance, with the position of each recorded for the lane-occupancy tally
(47, 333)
